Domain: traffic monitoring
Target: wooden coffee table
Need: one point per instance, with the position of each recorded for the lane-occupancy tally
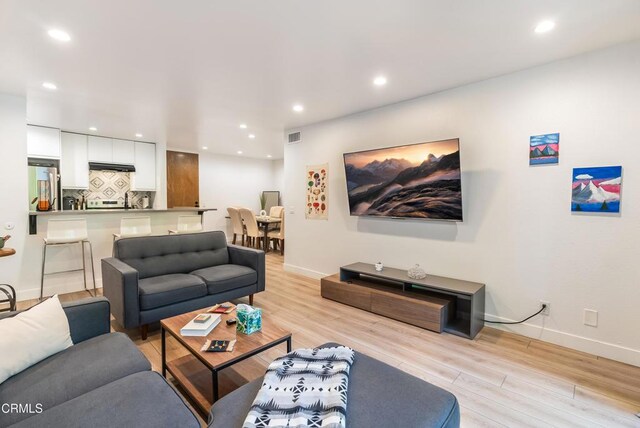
(188, 370)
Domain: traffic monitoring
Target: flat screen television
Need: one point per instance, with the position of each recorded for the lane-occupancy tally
(419, 181)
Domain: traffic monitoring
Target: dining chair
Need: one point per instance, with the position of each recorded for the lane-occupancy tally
(277, 235)
(236, 224)
(188, 224)
(254, 234)
(276, 211)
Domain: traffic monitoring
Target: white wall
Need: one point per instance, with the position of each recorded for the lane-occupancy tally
(13, 186)
(519, 236)
(232, 181)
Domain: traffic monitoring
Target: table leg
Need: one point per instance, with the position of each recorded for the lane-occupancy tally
(164, 351)
(264, 240)
(214, 381)
(288, 345)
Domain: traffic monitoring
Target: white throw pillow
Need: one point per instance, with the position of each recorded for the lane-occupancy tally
(32, 336)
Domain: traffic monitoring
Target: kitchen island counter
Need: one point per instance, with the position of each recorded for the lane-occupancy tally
(122, 210)
(33, 215)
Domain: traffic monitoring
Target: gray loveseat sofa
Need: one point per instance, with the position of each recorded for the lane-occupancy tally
(378, 396)
(155, 277)
(103, 380)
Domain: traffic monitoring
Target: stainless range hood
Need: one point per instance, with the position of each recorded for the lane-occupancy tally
(99, 166)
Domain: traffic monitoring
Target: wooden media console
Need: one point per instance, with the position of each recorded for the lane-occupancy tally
(435, 303)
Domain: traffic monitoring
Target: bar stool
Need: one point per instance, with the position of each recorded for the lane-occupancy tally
(65, 232)
(133, 226)
(188, 224)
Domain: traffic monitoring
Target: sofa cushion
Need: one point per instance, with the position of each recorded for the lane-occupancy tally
(164, 290)
(378, 396)
(163, 255)
(72, 372)
(226, 277)
(31, 336)
(139, 400)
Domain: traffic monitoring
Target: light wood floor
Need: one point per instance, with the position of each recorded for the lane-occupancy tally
(500, 379)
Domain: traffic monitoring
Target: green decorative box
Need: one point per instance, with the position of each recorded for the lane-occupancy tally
(249, 322)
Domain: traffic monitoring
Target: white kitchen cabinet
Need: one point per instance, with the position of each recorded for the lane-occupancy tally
(43, 142)
(123, 152)
(74, 162)
(145, 162)
(100, 149)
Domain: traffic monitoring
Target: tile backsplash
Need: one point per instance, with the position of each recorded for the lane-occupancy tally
(110, 185)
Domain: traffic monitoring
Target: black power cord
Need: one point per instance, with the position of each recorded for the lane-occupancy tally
(519, 322)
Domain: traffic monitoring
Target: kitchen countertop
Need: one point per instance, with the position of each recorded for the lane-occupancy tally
(121, 210)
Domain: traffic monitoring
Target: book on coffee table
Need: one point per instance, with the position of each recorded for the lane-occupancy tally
(218, 345)
(196, 328)
(222, 308)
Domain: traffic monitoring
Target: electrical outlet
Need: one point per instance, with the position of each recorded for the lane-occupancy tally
(590, 317)
(547, 309)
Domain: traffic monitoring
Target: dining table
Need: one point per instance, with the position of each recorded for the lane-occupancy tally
(264, 222)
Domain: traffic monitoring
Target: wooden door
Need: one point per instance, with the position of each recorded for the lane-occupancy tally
(183, 189)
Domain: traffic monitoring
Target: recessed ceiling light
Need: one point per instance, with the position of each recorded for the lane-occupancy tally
(252, 136)
(138, 135)
(93, 128)
(243, 126)
(50, 86)
(269, 156)
(59, 35)
(239, 152)
(204, 147)
(298, 108)
(545, 26)
(380, 81)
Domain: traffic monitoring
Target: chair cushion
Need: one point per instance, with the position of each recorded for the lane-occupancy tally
(71, 373)
(399, 400)
(226, 277)
(164, 290)
(139, 400)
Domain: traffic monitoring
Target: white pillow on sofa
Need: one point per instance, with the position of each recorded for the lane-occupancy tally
(31, 336)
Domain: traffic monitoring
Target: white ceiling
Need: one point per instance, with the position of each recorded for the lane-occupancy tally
(189, 72)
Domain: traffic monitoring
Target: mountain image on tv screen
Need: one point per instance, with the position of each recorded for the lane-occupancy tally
(413, 181)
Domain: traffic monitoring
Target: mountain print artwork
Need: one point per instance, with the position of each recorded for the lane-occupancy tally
(596, 189)
(415, 181)
(544, 149)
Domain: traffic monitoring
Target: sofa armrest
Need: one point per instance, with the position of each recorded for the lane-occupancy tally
(249, 257)
(88, 318)
(120, 286)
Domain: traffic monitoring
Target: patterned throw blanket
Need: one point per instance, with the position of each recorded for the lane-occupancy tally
(305, 388)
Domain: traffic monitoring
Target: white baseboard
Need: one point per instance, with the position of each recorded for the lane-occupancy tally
(579, 343)
(304, 271)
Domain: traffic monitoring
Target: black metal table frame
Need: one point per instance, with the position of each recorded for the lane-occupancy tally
(214, 372)
(265, 230)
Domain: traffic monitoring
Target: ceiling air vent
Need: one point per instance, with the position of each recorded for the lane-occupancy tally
(294, 138)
